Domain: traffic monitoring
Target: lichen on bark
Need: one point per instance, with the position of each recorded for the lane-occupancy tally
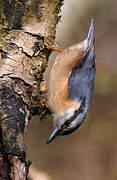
(27, 29)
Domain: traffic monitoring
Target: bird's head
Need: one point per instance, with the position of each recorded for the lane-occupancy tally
(70, 108)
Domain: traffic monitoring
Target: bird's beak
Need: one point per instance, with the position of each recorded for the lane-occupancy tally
(90, 37)
(54, 134)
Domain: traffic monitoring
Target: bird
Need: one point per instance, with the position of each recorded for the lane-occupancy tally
(71, 85)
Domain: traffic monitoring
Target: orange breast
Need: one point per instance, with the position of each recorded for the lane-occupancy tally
(58, 85)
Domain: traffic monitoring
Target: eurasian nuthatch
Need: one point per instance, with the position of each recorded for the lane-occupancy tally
(71, 85)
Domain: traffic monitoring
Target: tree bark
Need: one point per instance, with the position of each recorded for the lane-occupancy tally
(27, 29)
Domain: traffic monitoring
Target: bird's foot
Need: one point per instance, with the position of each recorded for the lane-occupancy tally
(53, 48)
(44, 87)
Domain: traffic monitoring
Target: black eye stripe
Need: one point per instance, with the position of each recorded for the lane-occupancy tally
(76, 113)
(67, 122)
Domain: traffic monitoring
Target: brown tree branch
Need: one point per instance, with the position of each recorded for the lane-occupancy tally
(26, 27)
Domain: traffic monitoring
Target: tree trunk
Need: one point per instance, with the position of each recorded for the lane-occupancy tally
(27, 29)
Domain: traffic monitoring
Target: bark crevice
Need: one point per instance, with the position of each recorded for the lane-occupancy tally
(25, 28)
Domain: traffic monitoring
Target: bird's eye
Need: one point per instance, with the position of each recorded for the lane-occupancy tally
(67, 122)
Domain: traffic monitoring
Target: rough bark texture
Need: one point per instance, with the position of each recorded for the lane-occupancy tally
(26, 29)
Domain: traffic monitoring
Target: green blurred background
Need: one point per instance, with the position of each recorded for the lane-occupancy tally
(90, 153)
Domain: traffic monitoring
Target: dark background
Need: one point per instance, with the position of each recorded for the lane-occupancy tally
(90, 153)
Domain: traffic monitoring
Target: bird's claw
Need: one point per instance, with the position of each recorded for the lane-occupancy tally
(52, 47)
(43, 87)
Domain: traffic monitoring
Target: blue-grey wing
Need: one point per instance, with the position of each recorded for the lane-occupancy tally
(81, 79)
